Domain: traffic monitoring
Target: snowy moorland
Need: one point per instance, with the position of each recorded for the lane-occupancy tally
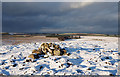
(90, 55)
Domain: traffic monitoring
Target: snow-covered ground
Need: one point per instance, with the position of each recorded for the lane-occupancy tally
(90, 55)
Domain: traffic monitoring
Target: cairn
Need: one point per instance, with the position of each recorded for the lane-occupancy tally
(45, 48)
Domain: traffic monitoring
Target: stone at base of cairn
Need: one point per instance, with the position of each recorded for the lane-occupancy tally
(37, 51)
(33, 56)
(56, 52)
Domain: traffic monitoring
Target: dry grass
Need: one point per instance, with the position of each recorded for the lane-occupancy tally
(98, 39)
(8, 39)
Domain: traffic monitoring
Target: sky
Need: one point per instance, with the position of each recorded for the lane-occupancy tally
(60, 17)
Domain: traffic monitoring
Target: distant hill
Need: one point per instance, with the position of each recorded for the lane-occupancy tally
(60, 34)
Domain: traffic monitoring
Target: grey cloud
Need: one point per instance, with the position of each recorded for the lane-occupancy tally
(98, 17)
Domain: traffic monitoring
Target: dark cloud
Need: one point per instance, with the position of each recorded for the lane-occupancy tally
(95, 17)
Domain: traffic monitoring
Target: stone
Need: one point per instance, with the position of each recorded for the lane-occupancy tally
(21, 68)
(36, 56)
(69, 64)
(44, 51)
(107, 58)
(40, 49)
(41, 67)
(12, 60)
(33, 56)
(57, 47)
(39, 52)
(50, 44)
(50, 50)
(56, 52)
(68, 54)
(42, 46)
(111, 75)
(14, 57)
(28, 60)
(89, 69)
(53, 45)
(45, 48)
(14, 65)
(46, 45)
(64, 52)
(35, 50)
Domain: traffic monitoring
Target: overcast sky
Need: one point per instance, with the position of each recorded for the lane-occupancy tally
(57, 17)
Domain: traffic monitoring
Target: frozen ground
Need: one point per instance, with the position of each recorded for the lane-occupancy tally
(90, 55)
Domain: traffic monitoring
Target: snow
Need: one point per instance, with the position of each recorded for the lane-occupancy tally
(90, 55)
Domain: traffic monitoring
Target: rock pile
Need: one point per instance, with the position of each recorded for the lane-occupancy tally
(48, 49)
